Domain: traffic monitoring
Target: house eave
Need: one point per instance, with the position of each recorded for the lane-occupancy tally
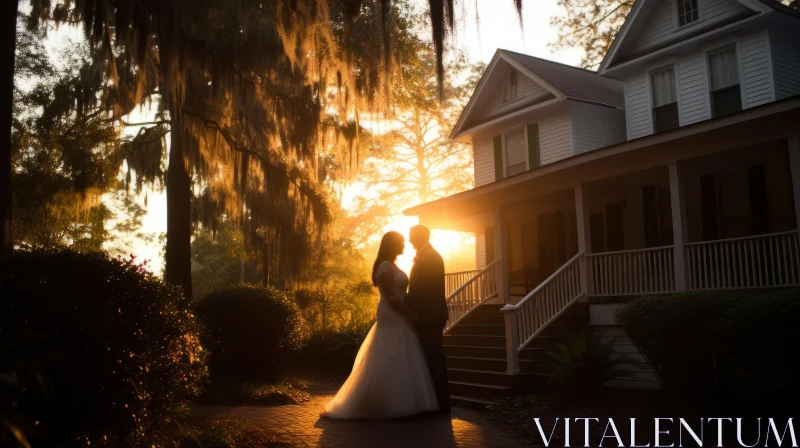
(790, 105)
(516, 113)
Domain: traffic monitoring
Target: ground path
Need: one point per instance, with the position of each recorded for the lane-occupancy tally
(465, 428)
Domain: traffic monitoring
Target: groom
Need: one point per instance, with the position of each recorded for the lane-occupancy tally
(426, 297)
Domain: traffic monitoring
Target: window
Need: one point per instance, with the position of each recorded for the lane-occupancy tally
(515, 152)
(687, 12)
(723, 71)
(512, 87)
(665, 102)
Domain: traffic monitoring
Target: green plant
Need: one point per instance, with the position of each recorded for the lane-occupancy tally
(751, 341)
(94, 350)
(252, 332)
(230, 432)
(581, 364)
(509, 403)
(675, 334)
(335, 349)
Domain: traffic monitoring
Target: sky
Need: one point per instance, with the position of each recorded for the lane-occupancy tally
(498, 27)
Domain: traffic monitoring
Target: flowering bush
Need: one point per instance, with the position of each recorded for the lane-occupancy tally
(96, 352)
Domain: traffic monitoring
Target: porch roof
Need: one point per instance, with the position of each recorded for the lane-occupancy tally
(771, 121)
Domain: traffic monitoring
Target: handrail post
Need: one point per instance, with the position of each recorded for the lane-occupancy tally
(584, 239)
(678, 225)
(510, 315)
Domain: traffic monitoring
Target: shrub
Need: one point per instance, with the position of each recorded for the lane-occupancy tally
(334, 349)
(580, 365)
(675, 334)
(231, 432)
(756, 339)
(252, 332)
(95, 350)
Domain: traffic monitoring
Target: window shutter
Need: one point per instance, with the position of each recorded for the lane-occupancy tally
(498, 158)
(533, 145)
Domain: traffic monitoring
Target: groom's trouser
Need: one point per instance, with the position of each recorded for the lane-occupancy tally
(430, 337)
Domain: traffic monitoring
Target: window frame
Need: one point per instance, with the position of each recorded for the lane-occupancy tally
(508, 97)
(676, 15)
(708, 51)
(524, 129)
(671, 65)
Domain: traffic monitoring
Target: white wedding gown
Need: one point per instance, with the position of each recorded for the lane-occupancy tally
(390, 377)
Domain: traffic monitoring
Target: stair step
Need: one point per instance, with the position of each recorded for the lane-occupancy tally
(477, 390)
(474, 341)
(489, 377)
(478, 330)
(487, 364)
(487, 309)
(489, 352)
(476, 404)
(485, 319)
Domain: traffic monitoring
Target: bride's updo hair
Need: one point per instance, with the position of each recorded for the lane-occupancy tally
(392, 245)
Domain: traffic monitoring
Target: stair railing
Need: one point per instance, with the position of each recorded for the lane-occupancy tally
(477, 290)
(530, 316)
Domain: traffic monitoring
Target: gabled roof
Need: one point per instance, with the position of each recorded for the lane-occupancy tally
(641, 6)
(562, 81)
(574, 82)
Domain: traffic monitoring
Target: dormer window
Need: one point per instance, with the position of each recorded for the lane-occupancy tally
(512, 87)
(687, 12)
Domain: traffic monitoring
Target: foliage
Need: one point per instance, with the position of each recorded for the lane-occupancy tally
(751, 341)
(95, 350)
(675, 334)
(233, 392)
(337, 294)
(65, 152)
(251, 331)
(415, 161)
(333, 349)
(222, 260)
(581, 365)
(590, 25)
(230, 432)
(511, 403)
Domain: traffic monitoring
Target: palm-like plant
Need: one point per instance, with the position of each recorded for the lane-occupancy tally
(582, 364)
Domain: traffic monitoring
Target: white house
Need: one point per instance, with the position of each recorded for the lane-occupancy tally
(675, 167)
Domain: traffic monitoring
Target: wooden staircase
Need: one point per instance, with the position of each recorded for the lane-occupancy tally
(476, 355)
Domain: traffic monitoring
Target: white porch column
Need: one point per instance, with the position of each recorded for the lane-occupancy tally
(679, 236)
(501, 250)
(794, 163)
(584, 238)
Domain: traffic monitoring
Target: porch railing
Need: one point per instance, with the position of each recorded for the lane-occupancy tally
(632, 272)
(751, 262)
(472, 293)
(531, 315)
(454, 280)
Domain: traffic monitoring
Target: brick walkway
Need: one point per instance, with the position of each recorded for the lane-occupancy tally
(465, 428)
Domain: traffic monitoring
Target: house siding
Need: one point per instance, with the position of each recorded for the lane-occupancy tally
(484, 161)
(786, 64)
(531, 92)
(480, 250)
(662, 24)
(692, 84)
(555, 137)
(756, 75)
(637, 107)
(596, 126)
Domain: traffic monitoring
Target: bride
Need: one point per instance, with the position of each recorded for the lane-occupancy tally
(390, 377)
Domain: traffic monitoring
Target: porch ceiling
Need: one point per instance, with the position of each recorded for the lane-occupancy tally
(760, 124)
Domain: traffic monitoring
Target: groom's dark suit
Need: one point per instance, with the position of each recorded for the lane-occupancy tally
(426, 297)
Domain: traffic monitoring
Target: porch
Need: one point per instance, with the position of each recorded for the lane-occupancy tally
(713, 206)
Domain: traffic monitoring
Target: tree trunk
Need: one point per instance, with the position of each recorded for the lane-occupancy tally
(9, 45)
(178, 269)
